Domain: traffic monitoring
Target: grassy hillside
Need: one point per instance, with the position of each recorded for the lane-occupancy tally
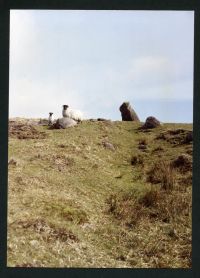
(100, 194)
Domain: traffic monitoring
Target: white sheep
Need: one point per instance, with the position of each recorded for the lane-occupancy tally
(50, 118)
(71, 113)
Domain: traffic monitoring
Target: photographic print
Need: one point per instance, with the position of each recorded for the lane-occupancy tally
(100, 139)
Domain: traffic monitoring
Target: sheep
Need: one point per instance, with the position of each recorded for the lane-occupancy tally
(73, 114)
(50, 118)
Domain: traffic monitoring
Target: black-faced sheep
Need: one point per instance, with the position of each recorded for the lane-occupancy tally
(72, 114)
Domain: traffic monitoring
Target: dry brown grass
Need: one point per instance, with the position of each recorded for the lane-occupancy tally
(158, 214)
(162, 172)
(154, 204)
(183, 163)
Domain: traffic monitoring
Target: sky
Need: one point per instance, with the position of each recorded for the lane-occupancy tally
(95, 60)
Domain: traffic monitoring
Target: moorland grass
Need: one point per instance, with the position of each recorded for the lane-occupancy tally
(74, 203)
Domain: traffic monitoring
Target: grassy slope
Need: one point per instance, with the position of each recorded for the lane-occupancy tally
(58, 200)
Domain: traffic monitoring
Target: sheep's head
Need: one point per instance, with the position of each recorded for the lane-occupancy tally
(50, 113)
(65, 107)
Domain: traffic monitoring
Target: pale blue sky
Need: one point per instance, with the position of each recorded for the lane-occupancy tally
(95, 60)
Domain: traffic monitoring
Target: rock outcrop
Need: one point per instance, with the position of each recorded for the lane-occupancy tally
(64, 123)
(127, 112)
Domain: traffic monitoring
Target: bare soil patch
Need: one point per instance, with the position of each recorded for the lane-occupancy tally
(25, 131)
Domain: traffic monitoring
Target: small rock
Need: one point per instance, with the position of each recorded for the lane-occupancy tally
(151, 122)
(108, 145)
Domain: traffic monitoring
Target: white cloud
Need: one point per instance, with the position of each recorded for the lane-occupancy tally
(149, 64)
(150, 71)
(23, 35)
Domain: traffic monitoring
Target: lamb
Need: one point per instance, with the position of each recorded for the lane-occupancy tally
(50, 118)
(73, 114)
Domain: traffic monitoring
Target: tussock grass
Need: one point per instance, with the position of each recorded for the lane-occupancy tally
(137, 160)
(163, 173)
(183, 163)
(155, 203)
(167, 215)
